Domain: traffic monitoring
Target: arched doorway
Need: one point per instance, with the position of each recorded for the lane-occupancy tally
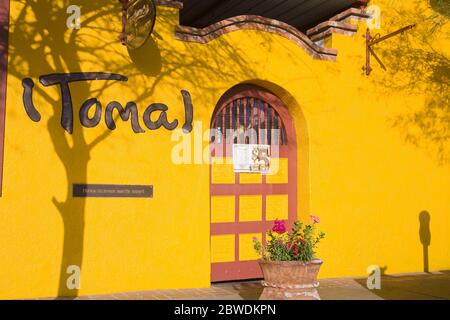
(244, 205)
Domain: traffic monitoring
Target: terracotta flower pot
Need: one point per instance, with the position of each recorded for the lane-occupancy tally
(290, 280)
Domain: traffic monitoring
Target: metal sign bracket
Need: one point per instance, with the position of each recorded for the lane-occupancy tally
(373, 40)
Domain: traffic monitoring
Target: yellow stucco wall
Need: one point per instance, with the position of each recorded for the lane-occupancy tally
(367, 166)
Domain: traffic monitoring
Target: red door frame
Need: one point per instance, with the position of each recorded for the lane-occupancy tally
(239, 270)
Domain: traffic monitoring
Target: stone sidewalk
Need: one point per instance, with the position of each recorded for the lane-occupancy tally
(418, 286)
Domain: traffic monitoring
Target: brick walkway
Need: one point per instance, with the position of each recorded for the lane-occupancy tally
(434, 285)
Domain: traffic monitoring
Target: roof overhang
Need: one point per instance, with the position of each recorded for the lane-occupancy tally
(301, 14)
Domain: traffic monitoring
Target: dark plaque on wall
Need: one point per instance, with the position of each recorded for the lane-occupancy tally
(112, 191)
(140, 20)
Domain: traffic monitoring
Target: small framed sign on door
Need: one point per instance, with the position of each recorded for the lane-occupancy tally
(252, 158)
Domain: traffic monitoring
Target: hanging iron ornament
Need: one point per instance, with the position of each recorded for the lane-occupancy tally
(138, 20)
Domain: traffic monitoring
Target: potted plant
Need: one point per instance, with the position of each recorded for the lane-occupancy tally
(288, 261)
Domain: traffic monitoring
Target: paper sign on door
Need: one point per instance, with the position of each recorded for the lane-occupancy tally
(253, 158)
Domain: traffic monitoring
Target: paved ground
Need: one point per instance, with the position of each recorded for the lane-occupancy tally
(434, 285)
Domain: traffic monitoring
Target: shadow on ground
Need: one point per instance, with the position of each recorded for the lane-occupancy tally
(422, 286)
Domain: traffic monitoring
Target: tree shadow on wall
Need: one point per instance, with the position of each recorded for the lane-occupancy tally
(416, 64)
(441, 6)
(51, 54)
(43, 45)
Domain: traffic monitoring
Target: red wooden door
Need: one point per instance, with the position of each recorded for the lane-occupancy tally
(244, 205)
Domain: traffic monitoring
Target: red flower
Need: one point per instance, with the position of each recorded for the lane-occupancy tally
(279, 227)
(295, 251)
